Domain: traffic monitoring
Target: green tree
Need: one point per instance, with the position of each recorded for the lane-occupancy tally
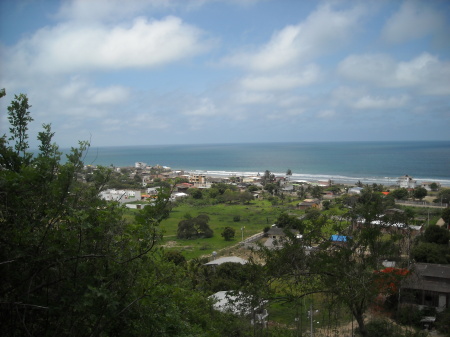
(228, 233)
(194, 228)
(288, 174)
(19, 118)
(434, 186)
(71, 264)
(317, 191)
(400, 193)
(446, 215)
(245, 197)
(420, 193)
(436, 234)
(444, 196)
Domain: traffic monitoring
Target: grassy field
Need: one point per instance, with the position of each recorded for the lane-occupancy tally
(253, 218)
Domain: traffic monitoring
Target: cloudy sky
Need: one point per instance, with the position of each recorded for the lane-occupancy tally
(143, 72)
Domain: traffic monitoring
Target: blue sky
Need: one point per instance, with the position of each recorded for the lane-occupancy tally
(144, 72)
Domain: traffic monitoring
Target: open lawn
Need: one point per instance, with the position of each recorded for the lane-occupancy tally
(253, 218)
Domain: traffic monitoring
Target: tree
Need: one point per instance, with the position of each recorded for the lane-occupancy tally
(194, 228)
(19, 118)
(70, 262)
(245, 197)
(228, 233)
(400, 193)
(420, 193)
(446, 215)
(444, 196)
(316, 191)
(289, 173)
(434, 186)
(436, 234)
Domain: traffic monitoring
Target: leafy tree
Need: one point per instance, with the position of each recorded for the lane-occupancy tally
(444, 196)
(420, 193)
(245, 197)
(289, 173)
(176, 257)
(70, 263)
(194, 228)
(228, 233)
(316, 191)
(436, 234)
(427, 252)
(195, 193)
(19, 118)
(446, 215)
(400, 193)
(434, 186)
(271, 188)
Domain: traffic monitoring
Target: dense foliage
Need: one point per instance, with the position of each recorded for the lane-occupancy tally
(71, 265)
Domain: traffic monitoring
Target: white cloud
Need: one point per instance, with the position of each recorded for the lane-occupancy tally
(325, 114)
(106, 10)
(251, 97)
(205, 107)
(281, 81)
(370, 102)
(324, 31)
(413, 20)
(426, 72)
(72, 47)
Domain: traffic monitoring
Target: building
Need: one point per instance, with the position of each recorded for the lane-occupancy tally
(427, 286)
(197, 180)
(226, 259)
(122, 196)
(140, 165)
(406, 182)
(309, 203)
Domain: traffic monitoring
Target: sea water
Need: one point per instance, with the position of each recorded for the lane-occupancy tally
(345, 162)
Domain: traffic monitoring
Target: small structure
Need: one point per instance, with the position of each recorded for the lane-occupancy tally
(355, 190)
(339, 239)
(226, 259)
(122, 196)
(309, 203)
(406, 182)
(428, 285)
(276, 237)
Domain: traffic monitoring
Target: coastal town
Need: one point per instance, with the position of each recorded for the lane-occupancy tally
(149, 178)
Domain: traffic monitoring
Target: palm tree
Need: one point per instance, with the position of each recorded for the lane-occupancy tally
(288, 173)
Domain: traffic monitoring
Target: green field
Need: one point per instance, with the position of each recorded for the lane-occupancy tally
(254, 217)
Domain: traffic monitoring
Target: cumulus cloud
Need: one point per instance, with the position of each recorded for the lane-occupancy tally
(143, 44)
(425, 72)
(413, 20)
(325, 30)
(106, 10)
(280, 80)
(205, 107)
(370, 102)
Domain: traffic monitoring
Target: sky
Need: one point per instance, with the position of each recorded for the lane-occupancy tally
(152, 72)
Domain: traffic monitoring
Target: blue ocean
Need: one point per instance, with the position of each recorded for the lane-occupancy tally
(346, 162)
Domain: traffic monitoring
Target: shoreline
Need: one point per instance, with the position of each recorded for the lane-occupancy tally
(315, 178)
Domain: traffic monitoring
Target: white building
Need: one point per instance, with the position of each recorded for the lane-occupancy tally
(140, 165)
(121, 196)
(406, 182)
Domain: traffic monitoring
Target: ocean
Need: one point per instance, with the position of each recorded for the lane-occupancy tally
(344, 162)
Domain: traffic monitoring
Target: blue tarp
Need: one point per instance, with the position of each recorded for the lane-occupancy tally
(339, 238)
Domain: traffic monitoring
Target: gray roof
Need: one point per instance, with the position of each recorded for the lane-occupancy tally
(225, 259)
(429, 276)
